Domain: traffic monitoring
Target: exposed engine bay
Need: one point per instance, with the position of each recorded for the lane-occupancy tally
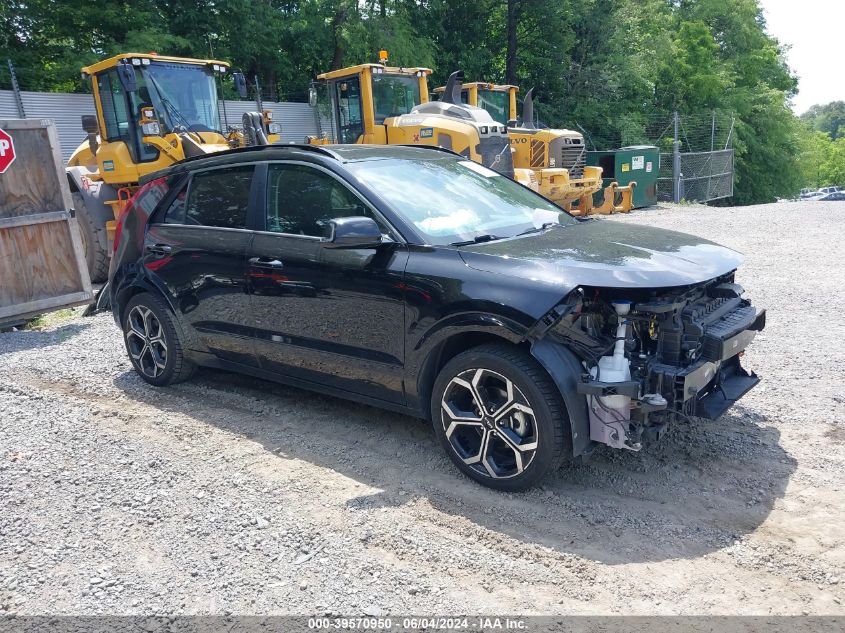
(652, 356)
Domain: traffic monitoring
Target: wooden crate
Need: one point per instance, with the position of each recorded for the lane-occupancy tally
(42, 266)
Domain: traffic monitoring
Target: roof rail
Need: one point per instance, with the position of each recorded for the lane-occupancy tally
(253, 148)
(238, 150)
(436, 148)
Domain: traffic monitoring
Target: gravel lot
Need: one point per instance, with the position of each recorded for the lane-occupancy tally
(233, 495)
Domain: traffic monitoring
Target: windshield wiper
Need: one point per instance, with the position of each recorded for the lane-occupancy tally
(477, 240)
(537, 229)
(176, 117)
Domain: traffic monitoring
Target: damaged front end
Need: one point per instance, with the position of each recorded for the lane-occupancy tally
(650, 356)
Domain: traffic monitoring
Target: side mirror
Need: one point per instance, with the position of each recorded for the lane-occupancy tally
(312, 97)
(353, 232)
(126, 74)
(148, 121)
(89, 124)
(240, 84)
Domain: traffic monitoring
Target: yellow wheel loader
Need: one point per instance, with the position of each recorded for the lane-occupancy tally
(386, 105)
(151, 111)
(551, 161)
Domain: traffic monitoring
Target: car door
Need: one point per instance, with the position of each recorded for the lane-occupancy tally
(328, 316)
(195, 250)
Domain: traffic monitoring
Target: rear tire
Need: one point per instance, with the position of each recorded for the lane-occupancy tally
(500, 417)
(94, 241)
(152, 342)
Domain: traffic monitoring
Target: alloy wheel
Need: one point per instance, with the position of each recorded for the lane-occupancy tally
(146, 341)
(489, 423)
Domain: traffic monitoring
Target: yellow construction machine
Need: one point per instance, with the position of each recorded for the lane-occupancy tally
(551, 161)
(151, 111)
(388, 105)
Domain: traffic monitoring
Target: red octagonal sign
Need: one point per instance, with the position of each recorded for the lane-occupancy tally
(7, 151)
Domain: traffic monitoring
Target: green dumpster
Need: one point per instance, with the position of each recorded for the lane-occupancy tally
(640, 163)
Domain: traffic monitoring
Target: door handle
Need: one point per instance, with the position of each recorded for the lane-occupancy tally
(160, 249)
(265, 262)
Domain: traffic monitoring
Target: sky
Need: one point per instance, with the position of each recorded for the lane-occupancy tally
(815, 32)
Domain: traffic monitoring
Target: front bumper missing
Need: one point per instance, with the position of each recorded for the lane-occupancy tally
(732, 383)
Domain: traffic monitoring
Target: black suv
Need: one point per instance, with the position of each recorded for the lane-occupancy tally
(413, 279)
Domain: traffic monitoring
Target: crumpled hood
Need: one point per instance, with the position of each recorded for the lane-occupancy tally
(605, 254)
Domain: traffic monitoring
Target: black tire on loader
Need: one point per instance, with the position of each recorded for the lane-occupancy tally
(94, 241)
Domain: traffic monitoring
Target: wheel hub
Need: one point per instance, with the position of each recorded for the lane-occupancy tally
(489, 423)
(146, 342)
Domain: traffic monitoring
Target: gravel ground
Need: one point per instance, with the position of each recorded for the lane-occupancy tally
(233, 495)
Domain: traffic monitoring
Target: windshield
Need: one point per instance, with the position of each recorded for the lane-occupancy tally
(496, 103)
(184, 95)
(394, 95)
(450, 201)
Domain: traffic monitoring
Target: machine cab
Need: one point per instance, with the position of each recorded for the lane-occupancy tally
(142, 99)
(498, 100)
(359, 100)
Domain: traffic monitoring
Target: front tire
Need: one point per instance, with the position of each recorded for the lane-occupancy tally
(500, 417)
(94, 241)
(153, 343)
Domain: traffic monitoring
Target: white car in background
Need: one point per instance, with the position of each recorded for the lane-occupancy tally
(807, 194)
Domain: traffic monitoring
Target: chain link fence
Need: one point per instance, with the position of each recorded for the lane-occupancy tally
(704, 176)
(697, 156)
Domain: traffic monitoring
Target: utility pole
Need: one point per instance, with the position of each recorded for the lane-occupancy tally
(713, 131)
(258, 95)
(16, 89)
(676, 163)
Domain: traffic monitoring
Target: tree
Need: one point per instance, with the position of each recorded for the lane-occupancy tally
(616, 68)
(829, 118)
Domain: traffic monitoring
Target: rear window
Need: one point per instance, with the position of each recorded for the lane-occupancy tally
(219, 198)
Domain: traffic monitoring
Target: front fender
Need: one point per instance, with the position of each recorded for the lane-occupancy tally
(565, 369)
(421, 360)
(505, 327)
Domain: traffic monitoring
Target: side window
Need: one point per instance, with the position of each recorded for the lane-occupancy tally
(219, 197)
(137, 99)
(301, 200)
(349, 109)
(114, 106)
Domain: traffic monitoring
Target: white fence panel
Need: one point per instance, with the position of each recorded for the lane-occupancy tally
(8, 106)
(65, 109)
(298, 119)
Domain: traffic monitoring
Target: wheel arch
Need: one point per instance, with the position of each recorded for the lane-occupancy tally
(453, 337)
(143, 285)
(561, 365)
(123, 297)
(565, 370)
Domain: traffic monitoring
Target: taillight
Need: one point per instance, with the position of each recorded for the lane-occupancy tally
(118, 227)
(144, 201)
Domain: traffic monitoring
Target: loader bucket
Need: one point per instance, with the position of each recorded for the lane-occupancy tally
(612, 193)
(608, 205)
(627, 193)
(584, 206)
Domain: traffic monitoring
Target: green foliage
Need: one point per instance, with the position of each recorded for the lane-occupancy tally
(828, 118)
(616, 68)
(821, 159)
